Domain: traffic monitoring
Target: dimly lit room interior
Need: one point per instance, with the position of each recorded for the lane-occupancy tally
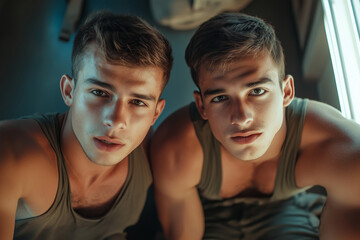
(34, 57)
(37, 36)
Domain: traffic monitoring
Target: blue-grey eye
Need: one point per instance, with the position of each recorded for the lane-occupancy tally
(257, 91)
(138, 102)
(99, 93)
(219, 98)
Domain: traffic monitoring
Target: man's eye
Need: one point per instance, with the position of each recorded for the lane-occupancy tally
(257, 92)
(219, 99)
(138, 102)
(99, 93)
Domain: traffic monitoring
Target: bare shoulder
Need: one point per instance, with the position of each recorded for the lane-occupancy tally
(324, 122)
(23, 146)
(329, 153)
(175, 153)
(19, 138)
(330, 157)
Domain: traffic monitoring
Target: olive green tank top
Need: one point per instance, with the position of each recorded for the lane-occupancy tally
(62, 222)
(285, 186)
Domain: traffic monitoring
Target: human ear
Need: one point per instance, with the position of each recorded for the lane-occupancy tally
(159, 108)
(67, 89)
(288, 90)
(200, 105)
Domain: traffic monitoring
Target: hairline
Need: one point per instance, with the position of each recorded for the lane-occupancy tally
(79, 63)
(206, 66)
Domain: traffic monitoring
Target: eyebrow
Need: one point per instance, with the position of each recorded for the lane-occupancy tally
(144, 97)
(100, 83)
(110, 87)
(261, 81)
(210, 92)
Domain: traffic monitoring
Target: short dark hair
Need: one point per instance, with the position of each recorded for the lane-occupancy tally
(125, 40)
(229, 36)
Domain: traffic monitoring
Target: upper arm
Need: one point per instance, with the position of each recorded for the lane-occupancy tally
(330, 153)
(330, 156)
(176, 154)
(176, 160)
(9, 195)
(339, 221)
(22, 148)
(10, 186)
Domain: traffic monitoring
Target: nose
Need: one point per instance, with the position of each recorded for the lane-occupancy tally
(241, 114)
(115, 116)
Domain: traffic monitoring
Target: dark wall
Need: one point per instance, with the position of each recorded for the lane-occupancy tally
(33, 59)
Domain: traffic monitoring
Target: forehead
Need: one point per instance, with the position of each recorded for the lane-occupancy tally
(94, 65)
(244, 68)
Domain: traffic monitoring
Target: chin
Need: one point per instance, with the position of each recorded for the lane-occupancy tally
(104, 160)
(246, 158)
(106, 163)
(247, 155)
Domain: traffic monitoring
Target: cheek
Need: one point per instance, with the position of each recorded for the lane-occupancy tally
(274, 117)
(217, 112)
(81, 103)
(86, 113)
(139, 126)
(141, 115)
(218, 127)
(141, 120)
(219, 119)
(273, 106)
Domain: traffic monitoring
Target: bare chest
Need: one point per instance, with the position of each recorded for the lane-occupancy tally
(97, 199)
(247, 179)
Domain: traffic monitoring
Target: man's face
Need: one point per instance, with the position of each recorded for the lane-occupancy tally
(113, 107)
(245, 105)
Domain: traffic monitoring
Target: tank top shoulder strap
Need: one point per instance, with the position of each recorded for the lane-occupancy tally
(285, 184)
(141, 167)
(50, 126)
(211, 176)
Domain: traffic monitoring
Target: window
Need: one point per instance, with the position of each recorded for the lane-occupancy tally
(342, 26)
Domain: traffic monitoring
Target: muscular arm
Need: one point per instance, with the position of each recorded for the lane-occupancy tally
(176, 159)
(9, 195)
(26, 159)
(10, 189)
(330, 156)
(180, 212)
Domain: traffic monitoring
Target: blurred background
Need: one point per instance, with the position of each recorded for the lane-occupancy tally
(37, 36)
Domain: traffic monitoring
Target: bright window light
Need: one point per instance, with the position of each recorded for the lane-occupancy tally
(341, 19)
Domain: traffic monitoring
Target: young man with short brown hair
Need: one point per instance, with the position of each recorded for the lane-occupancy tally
(84, 174)
(236, 163)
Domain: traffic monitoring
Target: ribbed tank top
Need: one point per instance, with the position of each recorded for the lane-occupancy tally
(285, 186)
(62, 222)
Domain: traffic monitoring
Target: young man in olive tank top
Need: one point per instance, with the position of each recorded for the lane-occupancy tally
(120, 65)
(246, 125)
